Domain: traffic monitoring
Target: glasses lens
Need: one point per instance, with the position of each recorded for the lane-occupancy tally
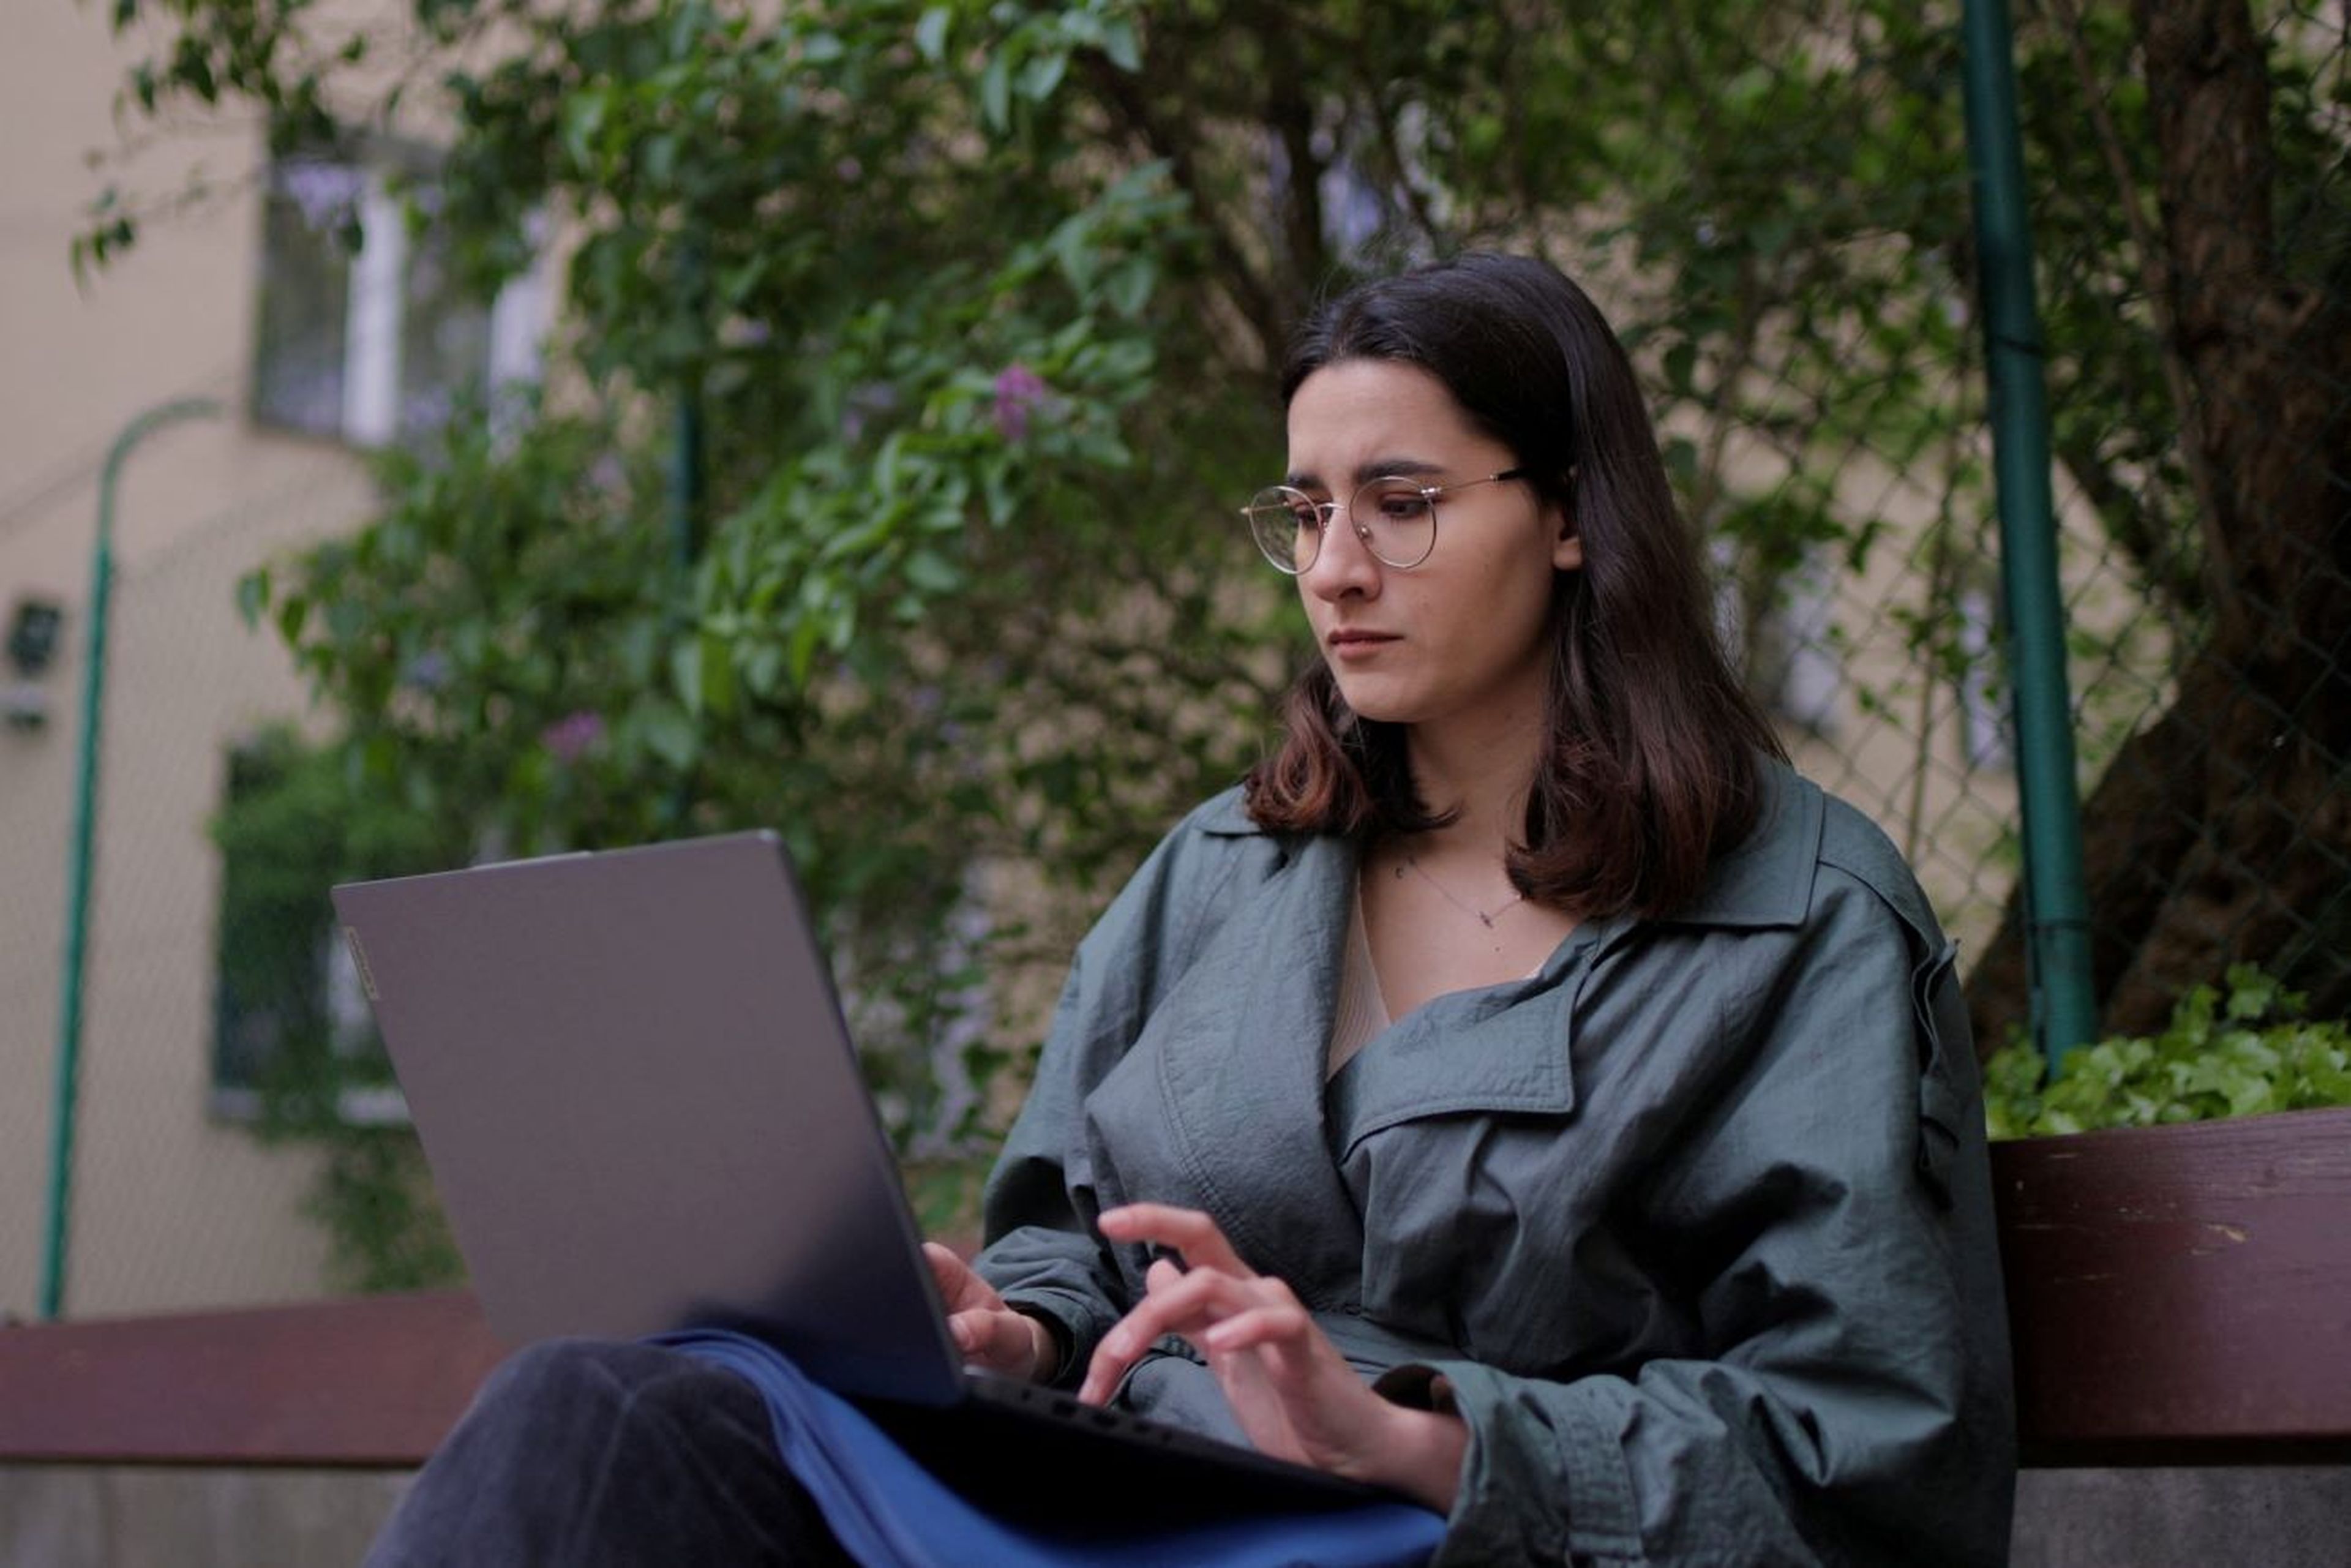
(1287, 526)
(1396, 520)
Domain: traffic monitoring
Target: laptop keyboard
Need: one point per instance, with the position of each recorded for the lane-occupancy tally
(1068, 1408)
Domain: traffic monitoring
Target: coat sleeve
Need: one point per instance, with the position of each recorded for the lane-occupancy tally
(1043, 1253)
(1829, 1215)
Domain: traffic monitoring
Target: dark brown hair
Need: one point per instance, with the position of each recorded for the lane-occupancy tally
(1653, 759)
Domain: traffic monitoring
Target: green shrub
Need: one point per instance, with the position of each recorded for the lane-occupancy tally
(2243, 1054)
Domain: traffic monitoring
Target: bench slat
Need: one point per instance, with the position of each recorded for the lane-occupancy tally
(2182, 1295)
(366, 1381)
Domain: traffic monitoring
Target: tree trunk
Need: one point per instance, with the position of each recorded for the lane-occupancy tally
(2221, 832)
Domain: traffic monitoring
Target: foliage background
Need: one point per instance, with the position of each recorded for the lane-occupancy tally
(912, 355)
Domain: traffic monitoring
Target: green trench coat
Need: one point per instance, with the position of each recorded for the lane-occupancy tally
(1693, 1229)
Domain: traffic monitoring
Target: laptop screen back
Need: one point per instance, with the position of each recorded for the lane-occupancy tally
(642, 1109)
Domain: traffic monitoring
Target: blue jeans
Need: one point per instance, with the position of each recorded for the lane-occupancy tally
(596, 1455)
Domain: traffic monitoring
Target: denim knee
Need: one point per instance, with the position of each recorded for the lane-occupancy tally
(590, 1381)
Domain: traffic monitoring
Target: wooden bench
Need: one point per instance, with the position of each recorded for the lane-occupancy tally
(2178, 1296)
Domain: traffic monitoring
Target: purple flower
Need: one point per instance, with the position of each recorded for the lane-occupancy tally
(868, 400)
(570, 736)
(1019, 389)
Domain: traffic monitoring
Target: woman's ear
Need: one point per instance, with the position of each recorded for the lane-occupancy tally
(1567, 544)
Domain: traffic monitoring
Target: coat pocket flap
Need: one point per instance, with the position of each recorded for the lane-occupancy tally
(1459, 1056)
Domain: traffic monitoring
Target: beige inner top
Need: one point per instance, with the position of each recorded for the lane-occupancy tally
(1362, 1011)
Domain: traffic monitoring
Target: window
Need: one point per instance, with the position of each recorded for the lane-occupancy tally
(365, 333)
(294, 1043)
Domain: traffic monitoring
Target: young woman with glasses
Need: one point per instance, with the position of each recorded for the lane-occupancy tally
(1523, 1091)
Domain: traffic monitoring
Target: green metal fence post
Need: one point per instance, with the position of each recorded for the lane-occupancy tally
(77, 866)
(2064, 1003)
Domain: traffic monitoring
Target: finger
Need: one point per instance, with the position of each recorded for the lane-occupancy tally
(959, 1286)
(1182, 1304)
(1187, 1231)
(1000, 1340)
(948, 1269)
(1286, 1324)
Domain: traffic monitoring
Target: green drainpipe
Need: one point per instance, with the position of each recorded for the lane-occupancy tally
(688, 489)
(77, 868)
(2057, 926)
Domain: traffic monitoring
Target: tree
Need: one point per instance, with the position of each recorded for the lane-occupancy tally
(982, 301)
(2222, 831)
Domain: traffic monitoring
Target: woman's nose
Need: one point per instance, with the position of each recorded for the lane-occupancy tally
(1343, 565)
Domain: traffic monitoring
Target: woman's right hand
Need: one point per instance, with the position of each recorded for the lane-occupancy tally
(989, 1335)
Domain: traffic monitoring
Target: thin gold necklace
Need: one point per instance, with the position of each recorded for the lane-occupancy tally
(1483, 918)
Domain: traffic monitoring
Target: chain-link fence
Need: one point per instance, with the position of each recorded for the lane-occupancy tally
(2200, 276)
(2186, 178)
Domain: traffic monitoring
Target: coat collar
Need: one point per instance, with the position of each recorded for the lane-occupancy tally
(1227, 816)
(1767, 880)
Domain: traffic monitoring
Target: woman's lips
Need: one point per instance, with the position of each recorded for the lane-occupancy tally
(1355, 644)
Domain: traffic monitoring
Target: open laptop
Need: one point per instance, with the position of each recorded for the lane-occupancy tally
(642, 1111)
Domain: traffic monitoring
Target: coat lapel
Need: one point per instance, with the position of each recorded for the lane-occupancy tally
(1237, 1054)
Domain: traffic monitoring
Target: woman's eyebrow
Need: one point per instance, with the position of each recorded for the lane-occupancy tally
(1377, 468)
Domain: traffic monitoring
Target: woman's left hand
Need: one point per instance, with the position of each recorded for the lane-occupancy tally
(1295, 1396)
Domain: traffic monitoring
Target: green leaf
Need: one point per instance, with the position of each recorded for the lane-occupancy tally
(686, 668)
(933, 573)
(1041, 75)
(293, 615)
(1119, 42)
(2187, 1073)
(930, 34)
(659, 158)
(253, 595)
(996, 92)
(807, 635)
(583, 122)
(1129, 285)
(717, 681)
(669, 734)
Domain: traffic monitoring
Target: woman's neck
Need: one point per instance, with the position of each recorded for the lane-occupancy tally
(1481, 778)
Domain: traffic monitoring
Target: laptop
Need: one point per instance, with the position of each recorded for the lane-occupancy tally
(642, 1111)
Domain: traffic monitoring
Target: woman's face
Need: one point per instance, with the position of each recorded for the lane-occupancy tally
(1460, 638)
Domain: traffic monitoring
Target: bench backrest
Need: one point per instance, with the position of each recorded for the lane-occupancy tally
(2182, 1295)
(2178, 1295)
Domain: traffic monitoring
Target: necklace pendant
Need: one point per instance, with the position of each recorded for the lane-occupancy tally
(1488, 920)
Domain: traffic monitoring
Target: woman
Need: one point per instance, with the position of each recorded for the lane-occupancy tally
(1523, 1092)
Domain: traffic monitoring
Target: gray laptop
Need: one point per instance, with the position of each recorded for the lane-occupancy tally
(643, 1112)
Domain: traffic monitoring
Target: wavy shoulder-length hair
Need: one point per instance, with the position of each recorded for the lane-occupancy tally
(1652, 760)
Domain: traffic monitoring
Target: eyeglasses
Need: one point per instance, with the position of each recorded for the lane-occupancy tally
(1395, 517)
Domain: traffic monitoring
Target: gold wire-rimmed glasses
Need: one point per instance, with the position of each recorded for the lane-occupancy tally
(1394, 516)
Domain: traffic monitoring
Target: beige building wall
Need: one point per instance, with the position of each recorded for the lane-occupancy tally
(170, 1206)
